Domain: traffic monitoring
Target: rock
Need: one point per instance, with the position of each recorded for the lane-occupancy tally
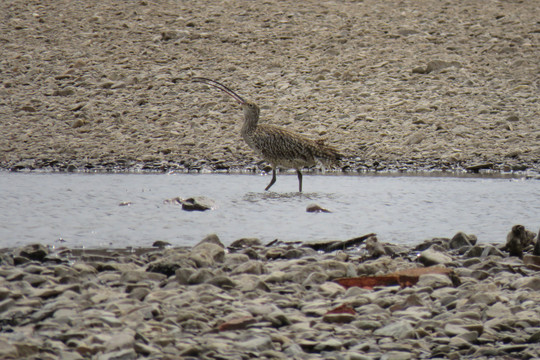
(161, 244)
(200, 276)
(432, 257)
(123, 340)
(254, 267)
(461, 239)
(536, 250)
(245, 243)
(434, 281)
(33, 252)
(398, 330)
(197, 203)
(528, 282)
(135, 276)
(437, 65)
(125, 354)
(222, 281)
(165, 267)
(339, 318)
(207, 254)
(233, 260)
(532, 261)
(257, 343)
(183, 274)
(314, 208)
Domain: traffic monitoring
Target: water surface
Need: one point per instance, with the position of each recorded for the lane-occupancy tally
(82, 210)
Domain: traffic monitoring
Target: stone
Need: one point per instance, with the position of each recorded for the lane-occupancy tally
(210, 239)
(438, 65)
(432, 257)
(528, 282)
(254, 267)
(257, 343)
(434, 281)
(33, 252)
(161, 244)
(165, 267)
(222, 281)
(183, 274)
(135, 276)
(123, 340)
(207, 254)
(233, 260)
(399, 330)
(246, 243)
(200, 276)
(314, 208)
(197, 203)
(342, 318)
(461, 239)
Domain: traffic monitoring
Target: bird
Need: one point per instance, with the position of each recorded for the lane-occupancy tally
(278, 146)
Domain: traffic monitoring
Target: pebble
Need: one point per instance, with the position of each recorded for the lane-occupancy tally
(207, 300)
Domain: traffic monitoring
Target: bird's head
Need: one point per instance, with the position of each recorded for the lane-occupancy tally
(250, 109)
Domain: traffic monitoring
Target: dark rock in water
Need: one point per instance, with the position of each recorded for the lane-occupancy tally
(461, 239)
(33, 252)
(314, 208)
(161, 244)
(197, 203)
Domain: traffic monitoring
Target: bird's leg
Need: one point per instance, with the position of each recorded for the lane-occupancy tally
(273, 179)
(299, 179)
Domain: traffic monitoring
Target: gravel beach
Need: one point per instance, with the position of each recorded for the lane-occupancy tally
(410, 85)
(273, 301)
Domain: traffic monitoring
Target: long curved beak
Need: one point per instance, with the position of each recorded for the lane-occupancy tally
(220, 87)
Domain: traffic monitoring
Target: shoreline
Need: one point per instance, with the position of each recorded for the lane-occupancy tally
(479, 171)
(458, 299)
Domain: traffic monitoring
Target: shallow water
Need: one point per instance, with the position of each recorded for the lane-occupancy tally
(82, 210)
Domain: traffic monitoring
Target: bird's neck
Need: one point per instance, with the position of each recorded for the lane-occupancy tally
(250, 124)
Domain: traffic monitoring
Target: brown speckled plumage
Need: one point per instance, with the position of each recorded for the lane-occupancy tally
(279, 146)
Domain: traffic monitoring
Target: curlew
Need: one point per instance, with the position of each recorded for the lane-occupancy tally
(278, 146)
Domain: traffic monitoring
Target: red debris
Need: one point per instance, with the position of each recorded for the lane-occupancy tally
(403, 278)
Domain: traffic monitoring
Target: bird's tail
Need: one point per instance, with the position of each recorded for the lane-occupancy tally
(326, 154)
